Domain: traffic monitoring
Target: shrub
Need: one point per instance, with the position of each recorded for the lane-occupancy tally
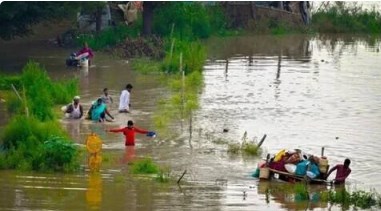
(32, 145)
(59, 154)
(7, 81)
(190, 19)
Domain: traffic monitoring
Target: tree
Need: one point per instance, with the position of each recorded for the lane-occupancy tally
(16, 18)
(148, 12)
(95, 8)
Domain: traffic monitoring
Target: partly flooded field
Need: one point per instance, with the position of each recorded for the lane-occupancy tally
(303, 92)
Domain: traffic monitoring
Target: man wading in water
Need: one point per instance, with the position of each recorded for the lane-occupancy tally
(342, 172)
(124, 101)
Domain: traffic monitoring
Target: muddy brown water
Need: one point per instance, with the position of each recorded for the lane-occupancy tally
(303, 92)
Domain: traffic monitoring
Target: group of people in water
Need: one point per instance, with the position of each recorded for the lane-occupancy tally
(312, 167)
(98, 112)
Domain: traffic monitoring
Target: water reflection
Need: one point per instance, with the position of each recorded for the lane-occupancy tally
(94, 190)
(129, 154)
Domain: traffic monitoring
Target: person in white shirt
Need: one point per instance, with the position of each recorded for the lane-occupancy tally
(74, 110)
(124, 101)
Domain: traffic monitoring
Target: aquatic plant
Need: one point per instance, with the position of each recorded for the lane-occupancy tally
(247, 147)
(144, 166)
(301, 192)
(163, 176)
(358, 199)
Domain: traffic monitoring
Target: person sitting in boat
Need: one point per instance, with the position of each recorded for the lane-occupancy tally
(74, 110)
(85, 52)
(342, 171)
(98, 111)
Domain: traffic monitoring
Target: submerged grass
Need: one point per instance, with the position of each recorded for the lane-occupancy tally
(147, 166)
(340, 196)
(246, 147)
(144, 166)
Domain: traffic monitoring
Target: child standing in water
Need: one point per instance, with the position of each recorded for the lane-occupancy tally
(129, 133)
(106, 98)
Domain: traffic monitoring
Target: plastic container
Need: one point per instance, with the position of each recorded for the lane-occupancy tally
(264, 173)
(323, 165)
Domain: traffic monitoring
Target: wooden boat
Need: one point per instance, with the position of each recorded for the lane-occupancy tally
(292, 178)
(267, 173)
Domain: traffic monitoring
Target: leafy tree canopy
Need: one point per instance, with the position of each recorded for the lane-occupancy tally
(17, 17)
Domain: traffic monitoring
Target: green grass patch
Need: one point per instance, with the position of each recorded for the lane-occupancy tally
(146, 65)
(144, 166)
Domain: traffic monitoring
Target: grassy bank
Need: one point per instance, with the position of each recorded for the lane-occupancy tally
(346, 17)
(34, 140)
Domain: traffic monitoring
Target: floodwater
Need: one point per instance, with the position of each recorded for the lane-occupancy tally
(303, 92)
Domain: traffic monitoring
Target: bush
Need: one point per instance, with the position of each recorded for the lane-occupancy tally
(32, 145)
(7, 81)
(59, 154)
(23, 129)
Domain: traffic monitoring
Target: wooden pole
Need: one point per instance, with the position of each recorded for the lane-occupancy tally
(183, 85)
(262, 140)
(21, 99)
(17, 93)
(178, 181)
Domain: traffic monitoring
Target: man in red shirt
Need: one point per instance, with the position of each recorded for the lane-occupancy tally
(342, 173)
(129, 133)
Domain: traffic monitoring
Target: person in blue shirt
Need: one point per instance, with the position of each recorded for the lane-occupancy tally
(98, 111)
